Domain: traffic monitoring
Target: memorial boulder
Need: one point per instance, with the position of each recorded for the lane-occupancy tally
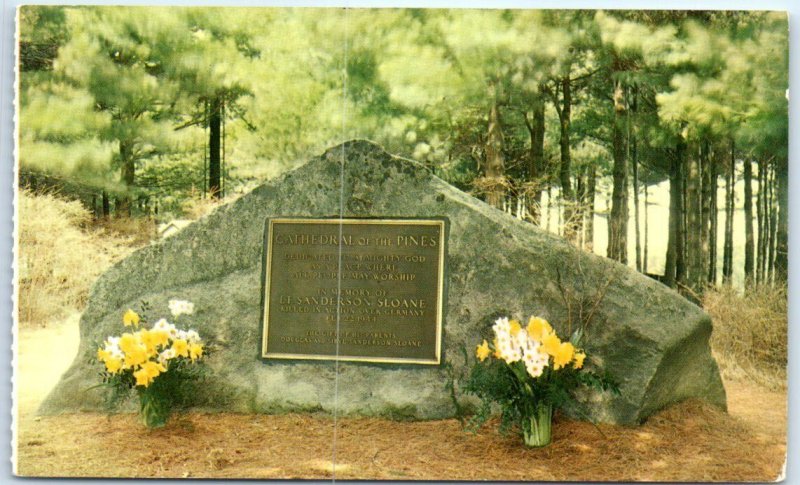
(412, 272)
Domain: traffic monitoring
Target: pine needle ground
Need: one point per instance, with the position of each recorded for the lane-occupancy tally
(690, 441)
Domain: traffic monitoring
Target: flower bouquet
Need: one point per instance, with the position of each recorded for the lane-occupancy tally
(155, 362)
(529, 372)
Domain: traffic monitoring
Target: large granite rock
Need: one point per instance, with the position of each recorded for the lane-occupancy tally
(651, 339)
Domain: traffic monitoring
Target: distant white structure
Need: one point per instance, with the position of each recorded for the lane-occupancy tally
(172, 227)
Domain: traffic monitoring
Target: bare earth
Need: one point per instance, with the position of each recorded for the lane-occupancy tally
(687, 442)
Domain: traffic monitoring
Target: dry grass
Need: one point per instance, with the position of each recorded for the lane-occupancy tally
(129, 232)
(62, 251)
(750, 333)
(60, 256)
(198, 205)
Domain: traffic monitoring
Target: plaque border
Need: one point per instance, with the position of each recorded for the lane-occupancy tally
(441, 222)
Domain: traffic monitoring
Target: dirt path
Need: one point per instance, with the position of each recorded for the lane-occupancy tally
(687, 442)
(43, 354)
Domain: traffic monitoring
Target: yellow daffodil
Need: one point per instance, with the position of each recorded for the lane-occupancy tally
(563, 356)
(152, 339)
(497, 354)
(136, 356)
(551, 344)
(134, 350)
(144, 353)
(148, 372)
(103, 354)
(482, 351)
(129, 341)
(154, 368)
(141, 378)
(161, 337)
(514, 327)
(113, 364)
(538, 328)
(148, 341)
(181, 347)
(578, 363)
(195, 351)
(130, 318)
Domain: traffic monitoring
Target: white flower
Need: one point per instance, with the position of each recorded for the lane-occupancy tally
(193, 336)
(180, 307)
(508, 346)
(501, 327)
(534, 357)
(114, 352)
(163, 325)
(535, 369)
(509, 350)
(182, 334)
(511, 354)
(166, 355)
(521, 339)
(112, 347)
(527, 344)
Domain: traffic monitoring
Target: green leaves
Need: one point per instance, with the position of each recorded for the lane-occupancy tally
(96, 80)
(515, 392)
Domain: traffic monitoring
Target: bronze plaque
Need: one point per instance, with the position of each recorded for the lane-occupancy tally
(379, 281)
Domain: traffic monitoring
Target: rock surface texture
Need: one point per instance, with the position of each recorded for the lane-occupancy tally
(653, 341)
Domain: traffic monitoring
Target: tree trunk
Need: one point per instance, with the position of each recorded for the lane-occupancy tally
(580, 209)
(730, 182)
(782, 226)
(223, 180)
(695, 272)
(214, 158)
(635, 165)
(633, 152)
(560, 213)
(106, 205)
(128, 168)
(565, 172)
(680, 259)
(705, 205)
(713, 223)
(674, 268)
(591, 189)
(549, 207)
(772, 225)
(685, 211)
(646, 229)
(536, 167)
(95, 211)
(748, 221)
(768, 222)
(761, 226)
(672, 226)
(618, 218)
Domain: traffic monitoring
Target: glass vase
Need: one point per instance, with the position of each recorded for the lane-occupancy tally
(154, 410)
(536, 427)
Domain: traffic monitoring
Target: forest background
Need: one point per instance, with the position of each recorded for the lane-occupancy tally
(655, 138)
(616, 129)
